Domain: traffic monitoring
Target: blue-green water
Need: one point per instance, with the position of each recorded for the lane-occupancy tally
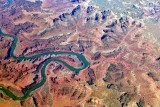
(43, 75)
(7, 4)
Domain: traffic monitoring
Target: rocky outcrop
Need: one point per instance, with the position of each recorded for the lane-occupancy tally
(76, 10)
(140, 103)
(114, 73)
(96, 55)
(77, 1)
(29, 6)
(26, 27)
(124, 99)
(92, 76)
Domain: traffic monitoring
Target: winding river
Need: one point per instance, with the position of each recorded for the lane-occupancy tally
(47, 61)
(43, 75)
(7, 4)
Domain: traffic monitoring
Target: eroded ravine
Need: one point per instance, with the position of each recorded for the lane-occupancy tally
(43, 75)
